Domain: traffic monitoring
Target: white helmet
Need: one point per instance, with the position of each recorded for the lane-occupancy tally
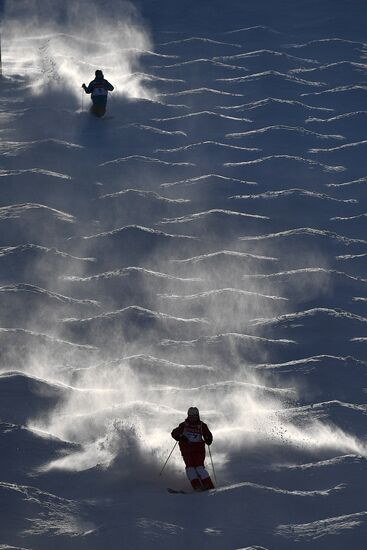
(193, 411)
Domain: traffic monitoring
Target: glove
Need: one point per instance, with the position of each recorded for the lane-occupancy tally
(83, 86)
(208, 441)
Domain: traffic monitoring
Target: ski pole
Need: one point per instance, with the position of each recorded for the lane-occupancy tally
(169, 456)
(211, 460)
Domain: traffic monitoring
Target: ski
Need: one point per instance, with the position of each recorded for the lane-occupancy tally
(176, 491)
(182, 492)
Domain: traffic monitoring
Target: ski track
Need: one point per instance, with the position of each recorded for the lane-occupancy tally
(202, 244)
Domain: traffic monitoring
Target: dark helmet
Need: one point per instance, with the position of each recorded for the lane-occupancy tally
(99, 73)
(193, 412)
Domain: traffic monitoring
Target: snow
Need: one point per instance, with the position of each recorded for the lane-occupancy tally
(203, 244)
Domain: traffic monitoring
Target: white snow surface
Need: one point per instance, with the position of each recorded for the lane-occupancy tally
(203, 244)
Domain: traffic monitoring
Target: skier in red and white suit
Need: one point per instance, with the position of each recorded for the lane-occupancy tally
(192, 434)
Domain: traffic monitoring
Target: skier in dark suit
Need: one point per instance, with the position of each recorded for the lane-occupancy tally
(99, 88)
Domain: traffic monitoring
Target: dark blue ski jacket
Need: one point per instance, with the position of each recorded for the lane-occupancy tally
(99, 87)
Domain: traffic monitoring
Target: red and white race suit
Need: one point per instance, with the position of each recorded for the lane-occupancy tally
(192, 438)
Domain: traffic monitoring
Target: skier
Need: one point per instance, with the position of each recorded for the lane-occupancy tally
(192, 434)
(99, 88)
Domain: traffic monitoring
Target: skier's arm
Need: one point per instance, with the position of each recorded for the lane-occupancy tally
(110, 88)
(177, 433)
(88, 89)
(207, 434)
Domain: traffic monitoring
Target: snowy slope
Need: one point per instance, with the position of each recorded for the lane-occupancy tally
(202, 244)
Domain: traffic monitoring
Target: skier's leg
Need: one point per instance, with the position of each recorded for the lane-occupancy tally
(193, 478)
(202, 472)
(197, 460)
(204, 477)
(99, 105)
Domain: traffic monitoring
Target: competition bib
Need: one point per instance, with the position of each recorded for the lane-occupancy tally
(99, 89)
(193, 433)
